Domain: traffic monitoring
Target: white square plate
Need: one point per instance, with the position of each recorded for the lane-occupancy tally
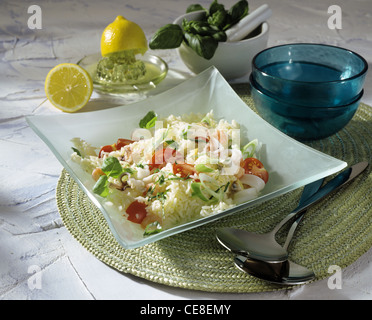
(290, 163)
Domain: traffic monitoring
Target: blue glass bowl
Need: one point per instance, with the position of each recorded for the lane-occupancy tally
(303, 123)
(310, 74)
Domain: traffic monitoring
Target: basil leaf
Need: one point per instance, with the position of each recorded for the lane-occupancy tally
(218, 18)
(199, 27)
(148, 121)
(237, 12)
(204, 46)
(112, 167)
(130, 170)
(169, 36)
(220, 36)
(194, 7)
(215, 6)
(101, 186)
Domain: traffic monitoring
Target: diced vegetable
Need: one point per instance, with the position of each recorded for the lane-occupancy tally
(249, 149)
(148, 121)
(203, 168)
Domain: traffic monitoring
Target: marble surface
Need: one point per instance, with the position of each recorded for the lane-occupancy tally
(39, 259)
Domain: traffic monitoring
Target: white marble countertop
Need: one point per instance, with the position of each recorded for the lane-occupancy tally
(31, 231)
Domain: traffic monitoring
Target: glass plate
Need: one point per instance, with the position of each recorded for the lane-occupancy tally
(157, 70)
(290, 163)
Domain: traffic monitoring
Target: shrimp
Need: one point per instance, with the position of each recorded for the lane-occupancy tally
(97, 172)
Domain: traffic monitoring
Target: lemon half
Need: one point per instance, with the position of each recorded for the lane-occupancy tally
(68, 87)
(122, 35)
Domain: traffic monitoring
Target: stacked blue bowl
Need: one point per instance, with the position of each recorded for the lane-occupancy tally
(308, 91)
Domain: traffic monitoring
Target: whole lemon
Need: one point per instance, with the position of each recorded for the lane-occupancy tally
(122, 35)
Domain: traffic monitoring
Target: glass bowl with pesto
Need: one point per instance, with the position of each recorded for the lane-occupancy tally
(124, 72)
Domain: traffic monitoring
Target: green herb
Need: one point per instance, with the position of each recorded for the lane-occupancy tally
(101, 186)
(237, 12)
(206, 120)
(185, 132)
(168, 37)
(217, 194)
(203, 168)
(196, 191)
(202, 36)
(194, 7)
(153, 228)
(172, 144)
(150, 190)
(218, 16)
(148, 121)
(226, 187)
(129, 170)
(77, 151)
(112, 167)
(202, 28)
(161, 196)
(215, 7)
(160, 180)
(204, 46)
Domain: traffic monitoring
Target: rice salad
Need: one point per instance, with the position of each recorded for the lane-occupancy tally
(174, 170)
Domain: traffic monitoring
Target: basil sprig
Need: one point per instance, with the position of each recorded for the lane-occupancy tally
(202, 36)
(112, 168)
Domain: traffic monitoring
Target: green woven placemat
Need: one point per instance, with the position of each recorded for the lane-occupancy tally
(337, 231)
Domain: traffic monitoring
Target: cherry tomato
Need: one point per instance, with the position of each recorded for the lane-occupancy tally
(136, 211)
(183, 169)
(123, 142)
(108, 148)
(116, 146)
(255, 166)
(163, 156)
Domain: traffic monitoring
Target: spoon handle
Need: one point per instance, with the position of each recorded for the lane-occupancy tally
(309, 190)
(341, 179)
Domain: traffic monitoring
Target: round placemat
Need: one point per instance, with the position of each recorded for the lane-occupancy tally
(336, 231)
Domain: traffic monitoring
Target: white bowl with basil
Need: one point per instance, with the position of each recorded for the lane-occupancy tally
(232, 59)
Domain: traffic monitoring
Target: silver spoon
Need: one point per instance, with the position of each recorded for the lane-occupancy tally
(264, 247)
(283, 273)
(286, 272)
